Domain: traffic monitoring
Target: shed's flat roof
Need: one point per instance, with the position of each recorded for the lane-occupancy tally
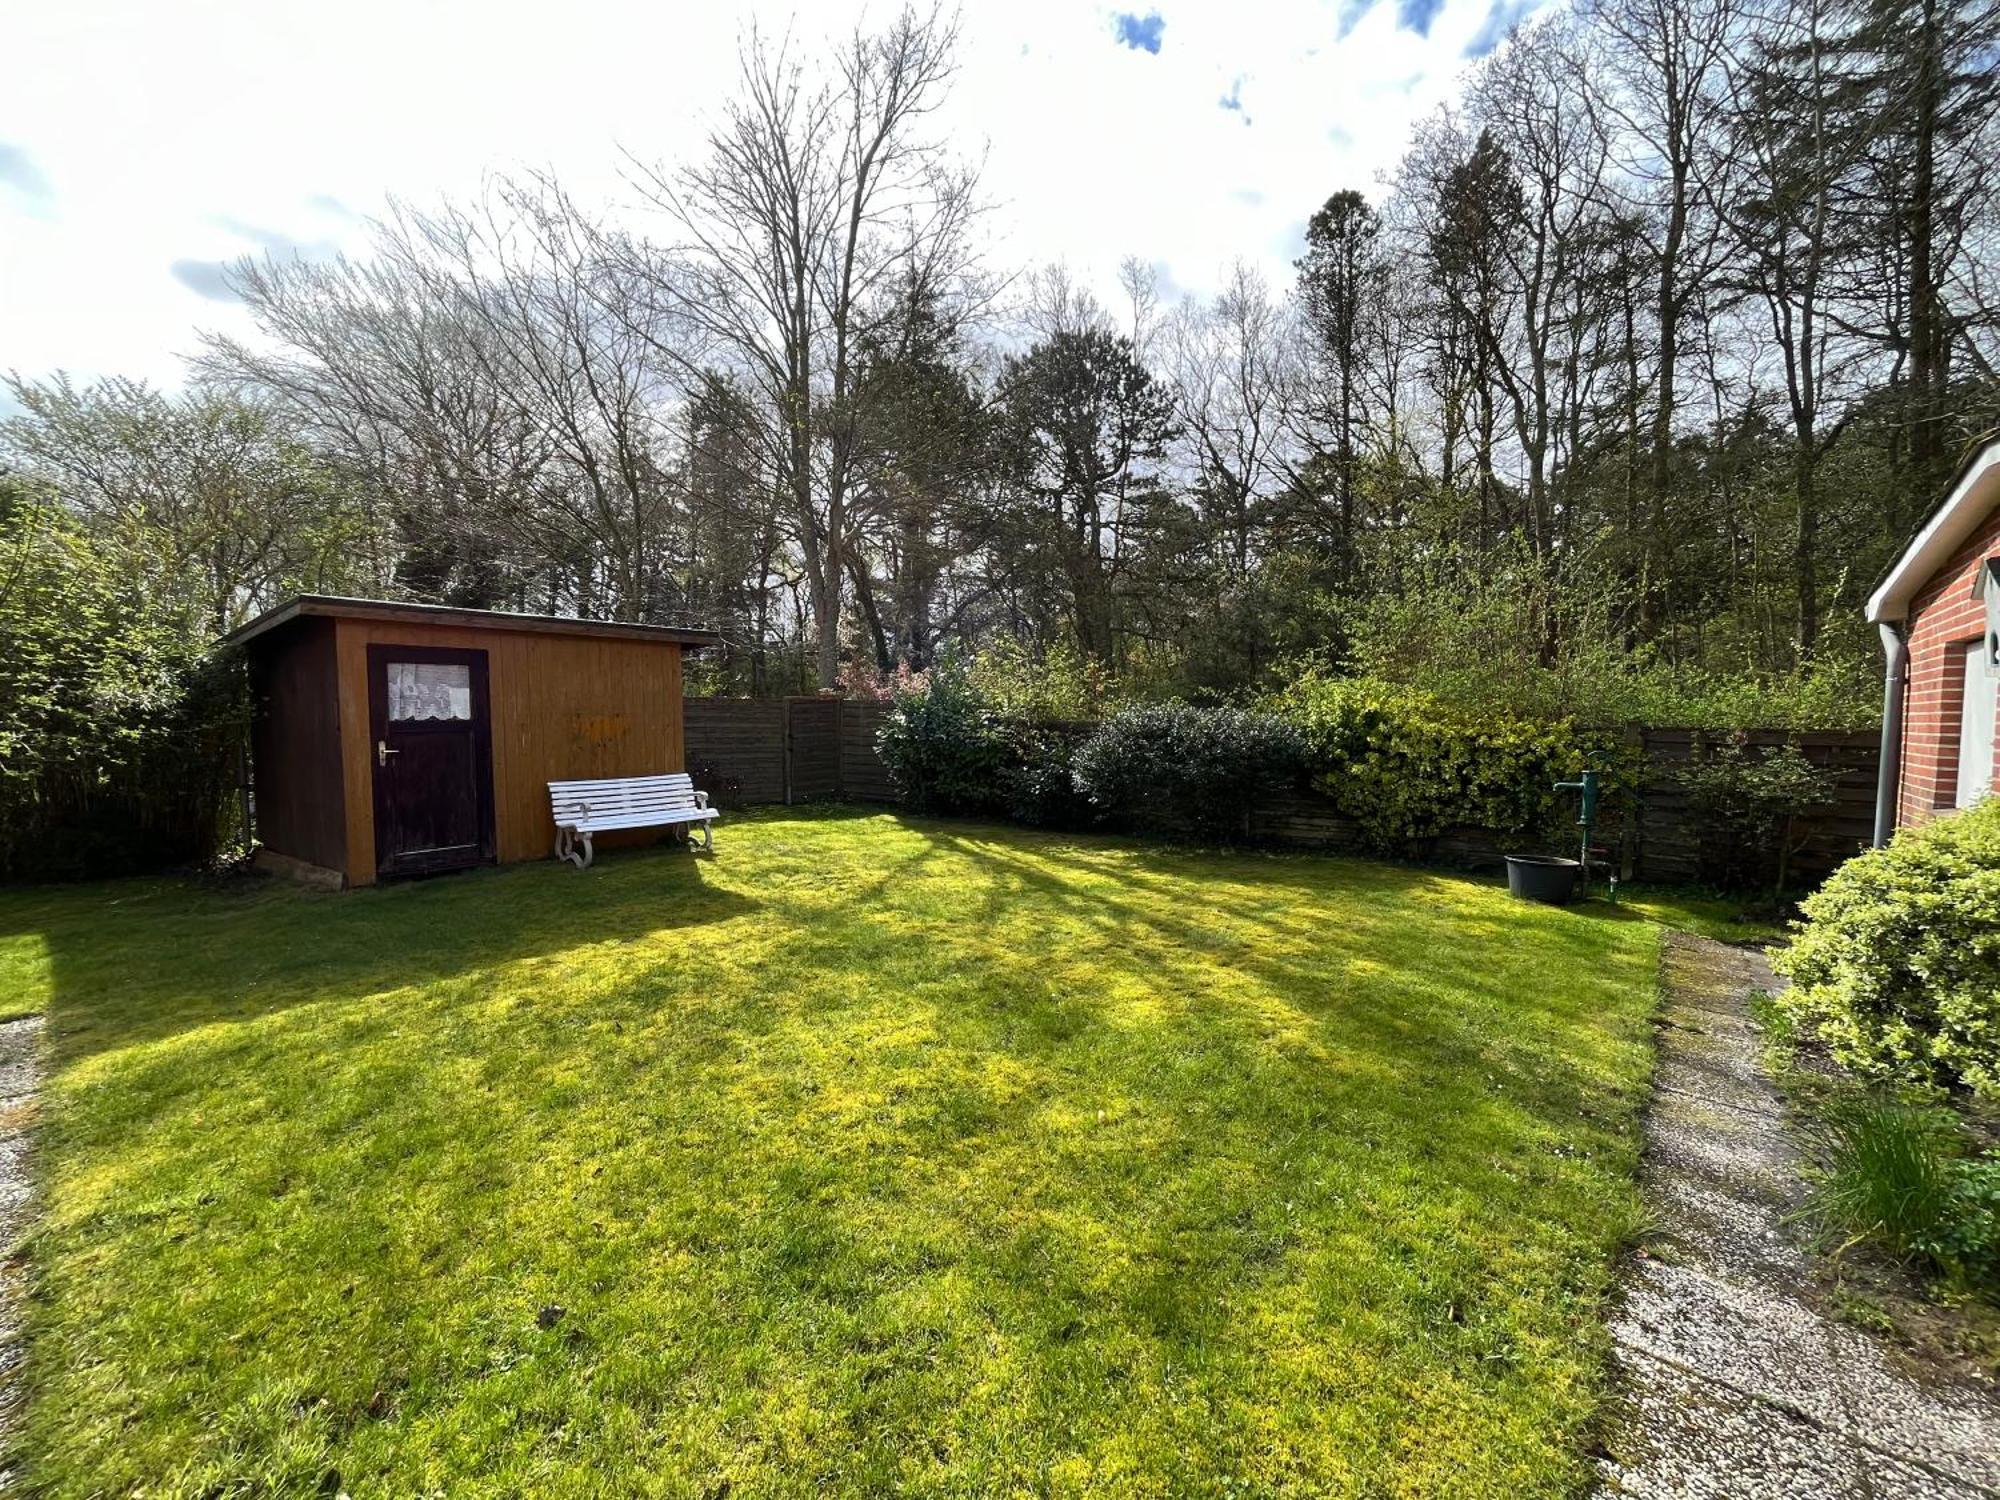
(474, 619)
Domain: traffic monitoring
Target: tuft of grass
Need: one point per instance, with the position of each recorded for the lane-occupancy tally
(874, 1154)
(1899, 1174)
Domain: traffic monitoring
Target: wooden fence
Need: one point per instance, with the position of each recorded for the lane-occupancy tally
(816, 749)
(751, 750)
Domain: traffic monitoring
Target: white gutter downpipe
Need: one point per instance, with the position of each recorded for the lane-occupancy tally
(1888, 780)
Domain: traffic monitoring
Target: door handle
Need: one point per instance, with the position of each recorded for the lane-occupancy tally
(383, 752)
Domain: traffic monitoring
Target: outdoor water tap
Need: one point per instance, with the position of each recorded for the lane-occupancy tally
(1585, 786)
(1586, 812)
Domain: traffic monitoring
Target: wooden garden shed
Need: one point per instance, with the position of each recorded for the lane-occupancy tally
(405, 739)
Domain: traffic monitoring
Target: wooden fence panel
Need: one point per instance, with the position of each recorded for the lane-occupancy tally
(813, 745)
(863, 776)
(1674, 842)
(736, 749)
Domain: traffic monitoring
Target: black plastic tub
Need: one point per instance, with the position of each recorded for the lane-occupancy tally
(1543, 877)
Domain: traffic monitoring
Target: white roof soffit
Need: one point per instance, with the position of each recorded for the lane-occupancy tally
(1971, 500)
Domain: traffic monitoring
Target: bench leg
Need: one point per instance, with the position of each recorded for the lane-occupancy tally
(566, 848)
(707, 838)
(589, 852)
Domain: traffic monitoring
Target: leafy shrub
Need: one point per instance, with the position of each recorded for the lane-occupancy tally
(1896, 966)
(1056, 684)
(119, 735)
(1407, 766)
(1900, 1174)
(1514, 638)
(943, 746)
(1174, 766)
(1758, 797)
(1037, 787)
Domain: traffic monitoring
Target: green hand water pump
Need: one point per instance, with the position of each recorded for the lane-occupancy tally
(1585, 786)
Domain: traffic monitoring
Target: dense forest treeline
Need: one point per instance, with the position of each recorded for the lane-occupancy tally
(1643, 362)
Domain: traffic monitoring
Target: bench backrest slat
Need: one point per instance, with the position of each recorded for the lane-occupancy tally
(619, 797)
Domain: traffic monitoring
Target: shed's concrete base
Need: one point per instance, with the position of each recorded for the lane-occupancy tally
(319, 877)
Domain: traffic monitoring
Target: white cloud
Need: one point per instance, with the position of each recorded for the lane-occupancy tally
(168, 137)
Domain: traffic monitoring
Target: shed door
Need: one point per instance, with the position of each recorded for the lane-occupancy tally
(1975, 726)
(431, 744)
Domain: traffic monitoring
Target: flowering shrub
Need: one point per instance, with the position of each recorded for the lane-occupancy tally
(1897, 963)
(1175, 766)
(864, 682)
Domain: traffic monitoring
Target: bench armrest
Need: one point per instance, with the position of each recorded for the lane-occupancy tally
(701, 799)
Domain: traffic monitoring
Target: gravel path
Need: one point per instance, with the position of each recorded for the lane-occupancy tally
(1732, 1382)
(20, 1077)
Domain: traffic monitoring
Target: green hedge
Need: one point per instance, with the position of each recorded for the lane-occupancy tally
(1896, 966)
(1407, 766)
(1176, 766)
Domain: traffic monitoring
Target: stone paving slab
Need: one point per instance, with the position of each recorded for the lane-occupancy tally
(1728, 1380)
(1682, 1437)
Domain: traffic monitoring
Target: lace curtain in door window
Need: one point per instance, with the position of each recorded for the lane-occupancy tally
(429, 690)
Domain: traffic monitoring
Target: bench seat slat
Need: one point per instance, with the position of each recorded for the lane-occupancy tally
(600, 825)
(623, 809)
(605, 803)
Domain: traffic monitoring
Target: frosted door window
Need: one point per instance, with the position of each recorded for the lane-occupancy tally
(429, 690)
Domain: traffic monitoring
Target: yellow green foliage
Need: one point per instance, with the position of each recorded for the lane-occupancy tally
(1407, 765)
(1897, 963)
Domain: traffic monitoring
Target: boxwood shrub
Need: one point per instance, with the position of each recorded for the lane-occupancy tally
(1407, 766)
(1037, 786)
(1896, 965)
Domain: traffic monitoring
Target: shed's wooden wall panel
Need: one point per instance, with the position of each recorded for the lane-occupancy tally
(563, 708)
(295, 745)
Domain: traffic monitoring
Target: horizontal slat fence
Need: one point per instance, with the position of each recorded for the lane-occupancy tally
(863, 776)
(738, 752)
(1674, 842)
(736, 749)
(750, 750)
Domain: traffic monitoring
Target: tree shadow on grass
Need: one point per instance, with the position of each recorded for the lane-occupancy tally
(1136, 1116)
(130, 962)
(1365, 964)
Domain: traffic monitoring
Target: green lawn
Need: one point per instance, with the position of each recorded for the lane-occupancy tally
(874, 1154)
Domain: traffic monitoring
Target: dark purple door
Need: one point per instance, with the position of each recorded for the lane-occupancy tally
(431, 742)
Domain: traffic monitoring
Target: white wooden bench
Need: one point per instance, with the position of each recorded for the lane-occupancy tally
(582, 808)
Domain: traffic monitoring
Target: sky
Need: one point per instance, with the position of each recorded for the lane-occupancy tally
(143, 146)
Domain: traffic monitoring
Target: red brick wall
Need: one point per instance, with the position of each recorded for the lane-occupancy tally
(1944, 619)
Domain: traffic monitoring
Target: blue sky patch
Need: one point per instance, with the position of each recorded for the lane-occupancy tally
(1417, 15)
(1501, 17)
(18, 171)
(1140, 33)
